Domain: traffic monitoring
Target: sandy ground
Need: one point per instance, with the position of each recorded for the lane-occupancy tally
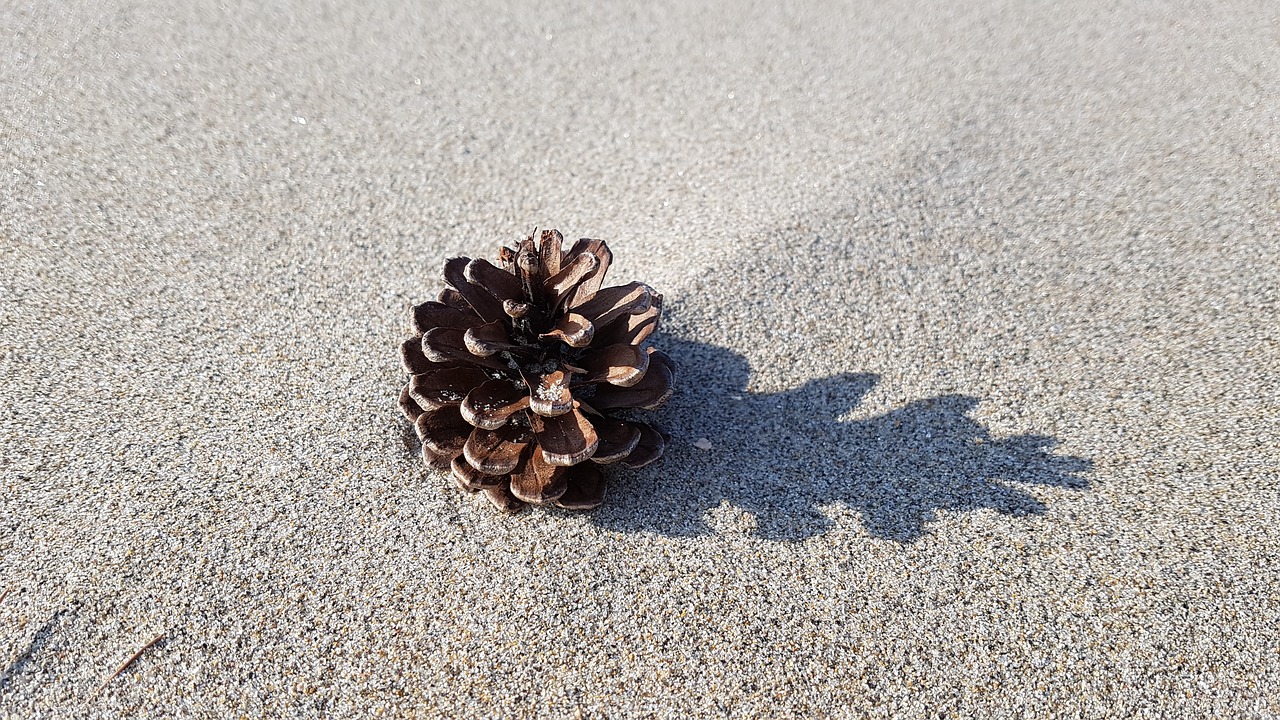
(975, 303)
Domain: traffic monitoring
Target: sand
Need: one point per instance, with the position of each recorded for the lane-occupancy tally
(975, 308)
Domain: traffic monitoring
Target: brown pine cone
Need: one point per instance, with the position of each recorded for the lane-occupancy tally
(516, 371)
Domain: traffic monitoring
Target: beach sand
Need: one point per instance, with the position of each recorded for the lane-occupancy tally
(974, 304)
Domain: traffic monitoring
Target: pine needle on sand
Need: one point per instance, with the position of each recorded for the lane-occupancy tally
(129, 662)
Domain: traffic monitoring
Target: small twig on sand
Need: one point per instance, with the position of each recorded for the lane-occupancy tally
(5, 594)
(129, 662)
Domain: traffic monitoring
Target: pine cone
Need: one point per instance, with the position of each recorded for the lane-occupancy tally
(516, 370)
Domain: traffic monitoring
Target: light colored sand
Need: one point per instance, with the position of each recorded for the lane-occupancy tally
(898, 243)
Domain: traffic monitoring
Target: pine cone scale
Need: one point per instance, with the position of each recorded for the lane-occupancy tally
(488, 339)
(495, 452)
(538, 482)
(622, 365)
(409, 406)
(438, 436)
(565, 439)
(440, 388)
(497, 282)
(590, 284)
(435, 460)
(647, 450)
(550, 395)
(454, 299)
(472, 479)
(586, 488)
(652, 391)
(481, 301)
(490, 404)
(566, 281)
(449, 345)
(632, 329)
(618, 439)
(502, 499)
(550, 251)
(430, 315)
(414, 361)
(573, 330)
(612, 303)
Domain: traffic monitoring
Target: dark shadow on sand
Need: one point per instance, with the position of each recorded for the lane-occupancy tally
(783, 456)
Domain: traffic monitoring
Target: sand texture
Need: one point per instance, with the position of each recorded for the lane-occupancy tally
(974, 303)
